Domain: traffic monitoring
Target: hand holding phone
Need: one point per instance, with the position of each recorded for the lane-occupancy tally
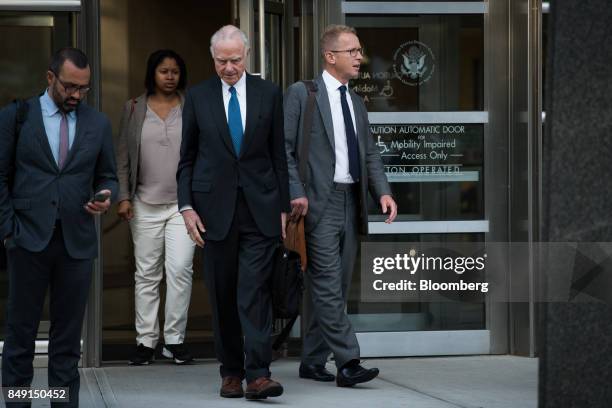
(99, 203)
(101, 197)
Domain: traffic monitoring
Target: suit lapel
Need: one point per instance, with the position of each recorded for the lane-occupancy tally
(81, 127)
(323, 103)
(253, 108)
(42, 133)
(218, 113)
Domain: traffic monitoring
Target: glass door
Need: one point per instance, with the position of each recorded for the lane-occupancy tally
(423, 82)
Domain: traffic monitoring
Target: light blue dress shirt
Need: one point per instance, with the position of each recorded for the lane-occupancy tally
(51, 119)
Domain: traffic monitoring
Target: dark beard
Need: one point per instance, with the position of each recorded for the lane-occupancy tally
(61, 102)
(68, 108)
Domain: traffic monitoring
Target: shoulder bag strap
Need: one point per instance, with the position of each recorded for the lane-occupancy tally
(306, 128)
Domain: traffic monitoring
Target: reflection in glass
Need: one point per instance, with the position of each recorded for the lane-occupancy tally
(421, 63)
(24, 62)
(435, 170)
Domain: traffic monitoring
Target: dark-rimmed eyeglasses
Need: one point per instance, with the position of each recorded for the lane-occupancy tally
(352, 52)
(71, 88)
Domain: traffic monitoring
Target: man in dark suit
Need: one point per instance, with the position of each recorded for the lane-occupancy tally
(343, 165)
(233, 192)
(63, 155)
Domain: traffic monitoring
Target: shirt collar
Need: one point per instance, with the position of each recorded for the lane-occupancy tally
(331, 83)
(240, 85)
(49, 107)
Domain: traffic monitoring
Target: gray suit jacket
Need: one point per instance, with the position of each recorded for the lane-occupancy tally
(128, 146)
(322, 156)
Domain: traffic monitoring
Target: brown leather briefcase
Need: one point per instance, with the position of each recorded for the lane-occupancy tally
(296, 239)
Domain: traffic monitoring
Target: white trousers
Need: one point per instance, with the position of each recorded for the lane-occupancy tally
(161, 242)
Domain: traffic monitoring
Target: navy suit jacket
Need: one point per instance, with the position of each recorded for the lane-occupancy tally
(209, 171)
(42, 192)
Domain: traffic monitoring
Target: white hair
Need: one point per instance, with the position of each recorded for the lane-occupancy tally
(225, 33)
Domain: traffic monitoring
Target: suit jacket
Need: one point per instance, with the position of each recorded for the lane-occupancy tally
(322, 156)
(42, 192)
(210, 172)
(128, 146)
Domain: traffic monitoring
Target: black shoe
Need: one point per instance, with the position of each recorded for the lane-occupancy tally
(143, 356)
(315, 372)
(178, 352)
(351, 374)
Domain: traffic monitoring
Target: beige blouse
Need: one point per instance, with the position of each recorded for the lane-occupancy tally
(159, 156)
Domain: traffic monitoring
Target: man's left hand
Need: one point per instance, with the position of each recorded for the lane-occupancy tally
(388, 204)
(284, 225)
(99, 207)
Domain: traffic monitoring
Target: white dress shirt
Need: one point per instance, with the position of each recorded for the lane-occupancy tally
(240, 93)
(341, 173)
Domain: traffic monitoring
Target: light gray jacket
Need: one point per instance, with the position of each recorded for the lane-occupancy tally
(128, 146)
(322, 156)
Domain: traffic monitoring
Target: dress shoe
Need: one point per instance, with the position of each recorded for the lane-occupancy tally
(315, 372)
(262, 388)
(231, 387)
(351, 374)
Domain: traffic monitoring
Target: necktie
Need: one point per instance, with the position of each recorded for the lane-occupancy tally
(351, 138)
(63, 145)
(234, 120)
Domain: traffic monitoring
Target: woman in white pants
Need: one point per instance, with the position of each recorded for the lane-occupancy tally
(147, 157)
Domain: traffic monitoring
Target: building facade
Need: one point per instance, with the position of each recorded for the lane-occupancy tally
(454, 91)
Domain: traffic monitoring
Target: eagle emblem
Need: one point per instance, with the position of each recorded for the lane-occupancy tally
(414, 63)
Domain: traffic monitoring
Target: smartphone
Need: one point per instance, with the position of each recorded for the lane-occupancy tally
(100, 197)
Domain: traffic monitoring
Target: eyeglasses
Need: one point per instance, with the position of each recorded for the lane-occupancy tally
(70, 88)
(352, 52)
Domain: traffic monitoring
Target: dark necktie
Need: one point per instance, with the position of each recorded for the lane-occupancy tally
(351, 138)
(63, 145)
(234, 120)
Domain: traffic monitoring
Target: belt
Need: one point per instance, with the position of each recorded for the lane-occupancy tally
(345, 186)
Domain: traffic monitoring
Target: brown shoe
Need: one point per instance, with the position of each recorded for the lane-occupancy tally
(262, 388)
(231, 387)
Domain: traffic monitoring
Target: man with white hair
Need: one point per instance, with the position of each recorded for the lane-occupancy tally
(233, 192)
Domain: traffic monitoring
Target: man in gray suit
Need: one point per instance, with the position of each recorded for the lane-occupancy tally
(343, 164)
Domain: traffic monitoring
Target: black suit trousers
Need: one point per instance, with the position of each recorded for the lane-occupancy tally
(68, 280)
(237, 272)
